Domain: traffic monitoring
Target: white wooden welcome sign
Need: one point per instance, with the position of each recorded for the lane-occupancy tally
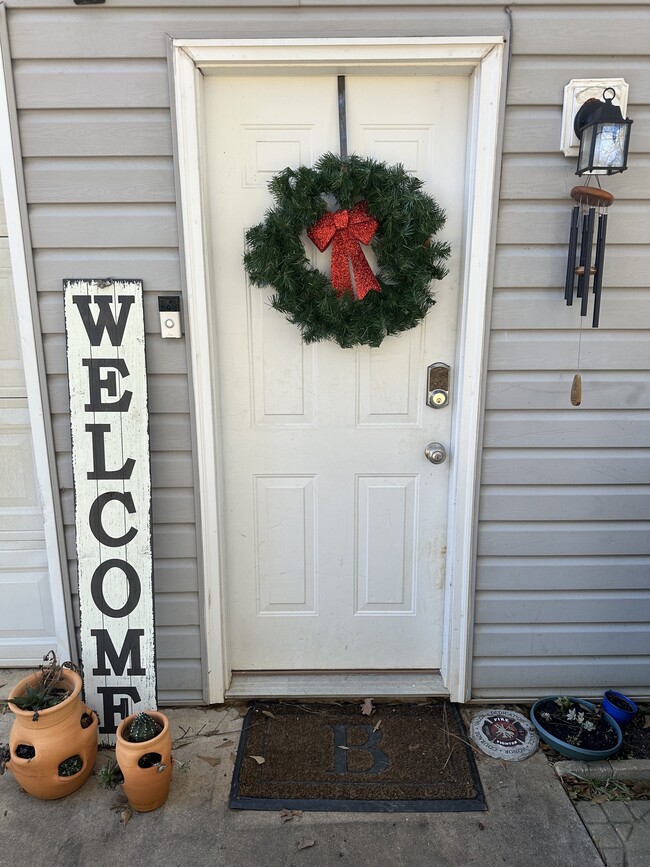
(112, 481)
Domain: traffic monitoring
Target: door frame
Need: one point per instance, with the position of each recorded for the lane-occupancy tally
(483, 59)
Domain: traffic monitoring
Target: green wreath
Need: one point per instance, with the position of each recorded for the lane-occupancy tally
(408, 259)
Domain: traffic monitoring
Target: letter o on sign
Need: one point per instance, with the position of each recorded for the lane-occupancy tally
(97, 588)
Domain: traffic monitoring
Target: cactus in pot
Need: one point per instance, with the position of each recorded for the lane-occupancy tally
(143, 753)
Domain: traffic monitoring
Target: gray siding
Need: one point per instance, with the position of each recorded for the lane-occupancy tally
(563, 572)
(564, 557)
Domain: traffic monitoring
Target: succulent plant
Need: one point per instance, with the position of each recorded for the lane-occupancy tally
(143, 728)
(110, 775)
(70, 767)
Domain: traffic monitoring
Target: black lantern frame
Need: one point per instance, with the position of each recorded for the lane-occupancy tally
(604, 137)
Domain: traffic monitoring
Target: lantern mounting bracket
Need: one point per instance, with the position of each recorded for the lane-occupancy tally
(576, 93)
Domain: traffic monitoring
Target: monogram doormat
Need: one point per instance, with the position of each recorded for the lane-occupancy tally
(331, 757)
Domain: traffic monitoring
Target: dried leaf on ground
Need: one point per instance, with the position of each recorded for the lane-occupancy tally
(269, 714)
(343, 748)
(125, 816)
(259, 759)
(367, 708)
(646, 723)
(288, 815)
(211, 760)
(377, 724)
(305, 843)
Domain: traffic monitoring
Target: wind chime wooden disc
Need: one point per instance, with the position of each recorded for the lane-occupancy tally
(593, 196)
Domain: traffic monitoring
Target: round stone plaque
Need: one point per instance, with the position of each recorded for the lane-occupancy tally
(504, 734)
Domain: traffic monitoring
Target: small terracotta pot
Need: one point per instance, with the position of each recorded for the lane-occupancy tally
(146, 788)
(57, 735)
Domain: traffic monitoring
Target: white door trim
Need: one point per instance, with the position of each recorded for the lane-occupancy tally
(39, 415)
(482, 58)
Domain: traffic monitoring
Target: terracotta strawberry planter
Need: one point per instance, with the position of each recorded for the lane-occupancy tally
(54, 755)
(146, 765)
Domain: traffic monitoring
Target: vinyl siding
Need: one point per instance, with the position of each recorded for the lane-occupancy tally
(563, 570)
(563, 550)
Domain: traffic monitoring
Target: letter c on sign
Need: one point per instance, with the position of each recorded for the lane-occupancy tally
(95, 519)
(97, 588)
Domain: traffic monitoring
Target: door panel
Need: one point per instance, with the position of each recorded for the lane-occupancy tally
(334, 521)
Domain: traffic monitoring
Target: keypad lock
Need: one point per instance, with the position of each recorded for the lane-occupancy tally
(438, 385)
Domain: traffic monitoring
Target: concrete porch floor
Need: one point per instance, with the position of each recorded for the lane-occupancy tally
(530, 821)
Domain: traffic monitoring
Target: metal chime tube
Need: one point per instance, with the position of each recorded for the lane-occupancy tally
(584, 277)
(600, 263)
(571, 259)
(343, 125)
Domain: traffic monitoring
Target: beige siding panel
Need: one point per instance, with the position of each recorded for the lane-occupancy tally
(179, 682)
(510, 677)
(167, 433)
(538, 32)
(91, 84)
(136, 179)
(550, 466)
(573, 639)
(574, 572)
(175, 576)
(566, 503)
(95, 133)
(541, 80)
(177, 609)
(552, 176)
(528, 390)
(600, 350)
(159, 269)
(536, 266)
(168, 541)
(571, 429)
(52, 34)
(548, 222)
(104, 226)
(533, 129)
(173, 506)
(167, 393)
(532, 309)
(168, 470)
(169, 575)
(562, 539)
(177, 542)
(163, 356)
(180, 643)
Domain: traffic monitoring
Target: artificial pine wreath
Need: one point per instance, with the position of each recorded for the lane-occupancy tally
(379, 204)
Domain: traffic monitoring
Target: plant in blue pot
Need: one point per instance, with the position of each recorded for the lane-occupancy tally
(619, 706)
(576, 728)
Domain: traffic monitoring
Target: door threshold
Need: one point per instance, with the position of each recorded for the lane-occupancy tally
(329, 685)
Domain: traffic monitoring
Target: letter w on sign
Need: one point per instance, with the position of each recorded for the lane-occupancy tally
(112, 479)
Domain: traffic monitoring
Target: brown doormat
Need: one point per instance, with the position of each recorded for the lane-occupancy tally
(330, 757)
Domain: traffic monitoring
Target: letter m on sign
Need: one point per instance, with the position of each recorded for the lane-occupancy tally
(111, 469)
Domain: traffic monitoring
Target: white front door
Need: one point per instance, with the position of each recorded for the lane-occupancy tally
(334, 521)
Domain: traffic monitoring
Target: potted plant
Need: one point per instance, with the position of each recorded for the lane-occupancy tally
(143, 751)
(619, 706)
(576, 728)
(53, 741)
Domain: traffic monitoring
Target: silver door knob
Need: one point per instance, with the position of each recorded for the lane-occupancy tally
(435, 452)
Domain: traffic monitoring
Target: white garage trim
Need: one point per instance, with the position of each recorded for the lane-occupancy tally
(39, 414)
(482, 58)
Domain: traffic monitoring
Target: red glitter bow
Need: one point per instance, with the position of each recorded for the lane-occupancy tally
(347, 230)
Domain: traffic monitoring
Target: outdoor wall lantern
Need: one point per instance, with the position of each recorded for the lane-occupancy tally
(604, 136)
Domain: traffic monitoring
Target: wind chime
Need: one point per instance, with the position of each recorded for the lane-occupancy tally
(604, 142)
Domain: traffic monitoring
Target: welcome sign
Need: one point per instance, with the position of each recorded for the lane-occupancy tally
(112, 482)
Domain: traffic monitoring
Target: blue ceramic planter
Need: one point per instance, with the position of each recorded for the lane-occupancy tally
(622, 717)
(569, 750)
